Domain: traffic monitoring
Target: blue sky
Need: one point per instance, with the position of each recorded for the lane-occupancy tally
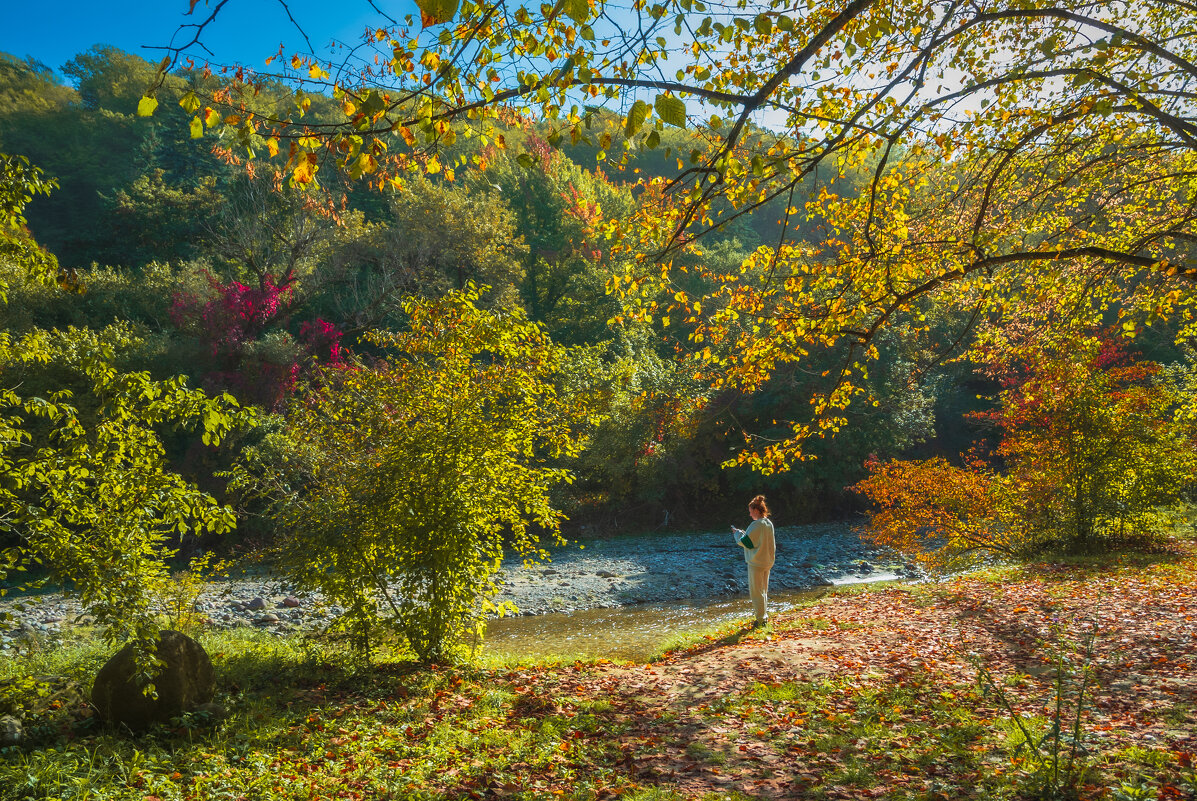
(246, 31)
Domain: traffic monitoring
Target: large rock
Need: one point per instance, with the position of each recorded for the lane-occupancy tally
(11, 731)
(186, 681)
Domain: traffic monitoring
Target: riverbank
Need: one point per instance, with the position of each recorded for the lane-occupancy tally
(675, 567)
(598, 574)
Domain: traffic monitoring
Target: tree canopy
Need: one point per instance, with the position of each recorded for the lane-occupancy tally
(1002, 149)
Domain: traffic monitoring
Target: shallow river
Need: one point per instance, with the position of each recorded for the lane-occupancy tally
(635, 633)
(619, 598)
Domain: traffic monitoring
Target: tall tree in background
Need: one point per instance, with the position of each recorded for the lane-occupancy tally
(1008, 145)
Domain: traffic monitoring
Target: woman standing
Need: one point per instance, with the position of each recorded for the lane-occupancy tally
(760, 548)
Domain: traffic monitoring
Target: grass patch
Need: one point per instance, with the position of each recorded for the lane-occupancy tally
(865, 587)
(706, 638)
(653, 794)
(308, 721)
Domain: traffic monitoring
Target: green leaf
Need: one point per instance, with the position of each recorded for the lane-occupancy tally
(763, 24)
(373, 103)
(197, 128)
(577, 10)
(146, 106)
(671, 110)
(433, 12)
(636, 116)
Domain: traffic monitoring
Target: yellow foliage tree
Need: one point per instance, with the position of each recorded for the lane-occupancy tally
(1010, 148)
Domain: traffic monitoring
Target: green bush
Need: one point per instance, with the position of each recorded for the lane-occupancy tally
(400, 479)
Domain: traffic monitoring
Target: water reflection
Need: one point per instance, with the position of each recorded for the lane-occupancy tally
(628, 632)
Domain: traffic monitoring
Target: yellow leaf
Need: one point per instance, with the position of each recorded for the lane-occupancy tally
(189, 102)
(365, 164)
(433, 12)
(305, 170)
(577, 10)
(146, 106)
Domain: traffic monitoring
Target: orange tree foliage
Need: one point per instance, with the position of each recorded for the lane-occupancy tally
(1094, 440)
(1093, 443)
(935, 511)
(995, 149)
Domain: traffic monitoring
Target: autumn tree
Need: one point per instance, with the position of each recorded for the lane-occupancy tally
(1092, 447)
(1003, 144)
(1095, 441)
(939, 513)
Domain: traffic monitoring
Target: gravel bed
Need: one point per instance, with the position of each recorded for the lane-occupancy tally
(595, 574)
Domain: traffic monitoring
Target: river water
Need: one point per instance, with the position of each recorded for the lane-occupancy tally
(634, 633)
(619, 598)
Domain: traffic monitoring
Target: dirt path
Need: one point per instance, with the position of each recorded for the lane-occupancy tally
(1144, 657)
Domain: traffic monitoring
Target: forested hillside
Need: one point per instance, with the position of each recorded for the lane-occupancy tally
(246, 286)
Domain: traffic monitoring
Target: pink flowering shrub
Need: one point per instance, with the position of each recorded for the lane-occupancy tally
(322, 340)
(243, 331)
(238, 313)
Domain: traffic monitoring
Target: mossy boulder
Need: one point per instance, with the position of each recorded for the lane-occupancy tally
(186, 680)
